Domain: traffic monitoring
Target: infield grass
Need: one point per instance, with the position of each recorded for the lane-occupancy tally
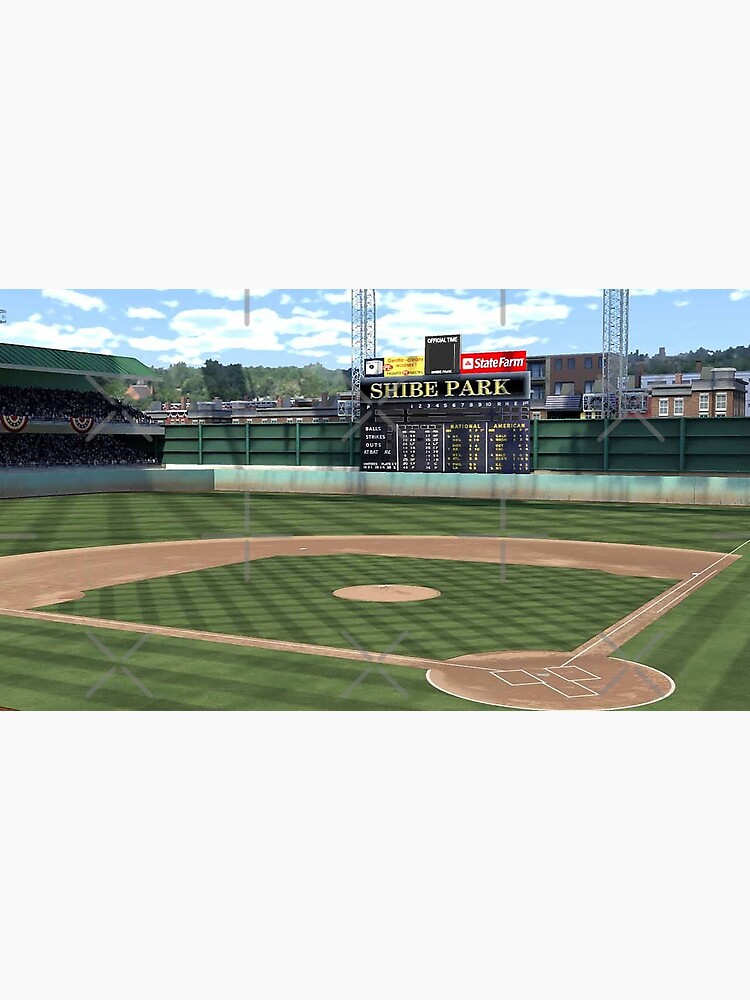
(482, 606)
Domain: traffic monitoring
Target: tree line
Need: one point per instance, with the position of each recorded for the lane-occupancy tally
(237, 381)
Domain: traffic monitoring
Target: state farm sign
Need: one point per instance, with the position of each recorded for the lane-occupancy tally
(493, 361)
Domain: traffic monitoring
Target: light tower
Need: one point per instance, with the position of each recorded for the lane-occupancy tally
(363, 340)
(614, 352)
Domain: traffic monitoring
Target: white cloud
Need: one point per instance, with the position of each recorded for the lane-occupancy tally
(173, 359)
(203, 333)
(592, 305)
(565, 293)
(63, 336)
(144, 312)
(326, 338)
(313, 313)
(170, 303)
(344, 360)
(338, 298)
(77, 299)
(285, 299)
(236, 294)
(35, 317)
(504, 343)
(680, 303)
(405, 318)
(150, 343)
(738, 294)
(596, 293)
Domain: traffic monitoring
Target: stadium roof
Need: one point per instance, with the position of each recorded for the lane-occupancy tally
(49, 359)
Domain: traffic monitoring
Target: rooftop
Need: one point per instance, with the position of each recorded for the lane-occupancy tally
(23, 357)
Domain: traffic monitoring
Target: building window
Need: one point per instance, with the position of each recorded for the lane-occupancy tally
(703, 403)
(721, 402)
(588, 362)
(663, 407)
(264, 420)
(600, 361)
(571, 363)
(536, 369)
(679, 407)
(588, 386)
(558, 364)
(558, 388)
(537, 392)
(274, 420)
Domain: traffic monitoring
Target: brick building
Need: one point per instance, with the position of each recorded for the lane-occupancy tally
(558, 382)
(720, 393)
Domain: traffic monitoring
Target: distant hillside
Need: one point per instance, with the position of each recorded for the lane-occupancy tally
(731, 357)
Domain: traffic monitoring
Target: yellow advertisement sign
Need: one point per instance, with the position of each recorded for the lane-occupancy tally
(411, 365)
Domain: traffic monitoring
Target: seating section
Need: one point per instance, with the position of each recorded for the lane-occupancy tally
(47, 450)
(62, 404)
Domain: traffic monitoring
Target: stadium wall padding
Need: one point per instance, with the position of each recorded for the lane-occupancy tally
(585, 487)
(689, 445)
(58, 482)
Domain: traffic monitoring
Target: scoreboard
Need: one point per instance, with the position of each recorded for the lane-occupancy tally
(457, 424)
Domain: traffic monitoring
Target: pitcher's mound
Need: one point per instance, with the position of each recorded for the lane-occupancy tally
(386, 592)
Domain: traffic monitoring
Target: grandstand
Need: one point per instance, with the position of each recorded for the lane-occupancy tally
(54, 410)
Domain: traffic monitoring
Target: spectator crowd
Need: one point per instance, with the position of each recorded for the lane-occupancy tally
(35, 450)
(62, 404)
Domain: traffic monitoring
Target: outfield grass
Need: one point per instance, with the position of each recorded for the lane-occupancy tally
(482, 606)
(703, 643)
(117, 518)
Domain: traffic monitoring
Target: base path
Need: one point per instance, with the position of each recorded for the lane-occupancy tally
(584, 678)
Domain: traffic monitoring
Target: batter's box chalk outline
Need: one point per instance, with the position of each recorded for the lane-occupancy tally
(582, 672)
(531, 679)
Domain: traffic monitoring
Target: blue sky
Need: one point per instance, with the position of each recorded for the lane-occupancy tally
(293, 326)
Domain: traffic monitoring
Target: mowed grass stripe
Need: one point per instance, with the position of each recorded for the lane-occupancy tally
(120, 518)
(481, 607)
(52, 667)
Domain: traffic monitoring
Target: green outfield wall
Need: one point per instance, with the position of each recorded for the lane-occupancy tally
(585, 487)
(664, 445)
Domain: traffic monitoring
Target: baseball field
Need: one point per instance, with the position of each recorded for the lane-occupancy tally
(232, 601)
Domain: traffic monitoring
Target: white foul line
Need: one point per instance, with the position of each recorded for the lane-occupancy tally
(697, 581)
